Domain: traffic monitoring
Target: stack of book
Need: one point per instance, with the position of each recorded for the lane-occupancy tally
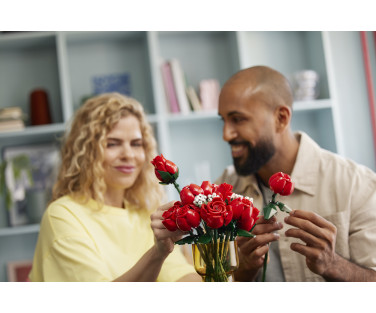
(11, 119)
(183, 98)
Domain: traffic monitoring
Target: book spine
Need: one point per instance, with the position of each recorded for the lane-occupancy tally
(169, 88)
(179, 82)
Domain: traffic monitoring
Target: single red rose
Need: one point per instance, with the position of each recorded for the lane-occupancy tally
(163, 165)
(225, 190)
(281, 183)
(188, 193)
(248, 218)
(169, 216)
(238, 205)
(216, 213)
(187, 218)
(207, 187)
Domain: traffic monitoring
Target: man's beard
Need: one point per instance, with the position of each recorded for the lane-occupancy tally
(258, 156)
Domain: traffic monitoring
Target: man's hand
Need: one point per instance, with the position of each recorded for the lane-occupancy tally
(320, 238)
(252, 250)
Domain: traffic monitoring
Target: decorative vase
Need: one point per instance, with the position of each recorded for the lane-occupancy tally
(39, 108)
(216, 262)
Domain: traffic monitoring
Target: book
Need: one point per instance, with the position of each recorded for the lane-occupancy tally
(11, 125)
(179, 82)
(209, 94)
(172, 100)
(11, 113)
(193, 99)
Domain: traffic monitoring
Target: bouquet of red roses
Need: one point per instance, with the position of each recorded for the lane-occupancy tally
(213, 215)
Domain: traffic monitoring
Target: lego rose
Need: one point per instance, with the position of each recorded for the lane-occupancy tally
(165, 170)
(281, 183)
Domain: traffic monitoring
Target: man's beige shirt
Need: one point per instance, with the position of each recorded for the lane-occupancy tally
(337, 189)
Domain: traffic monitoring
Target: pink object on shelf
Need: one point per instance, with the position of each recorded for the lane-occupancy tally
(169, 87)
(209, 94)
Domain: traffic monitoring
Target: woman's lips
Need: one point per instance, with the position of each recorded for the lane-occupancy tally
(125, 169)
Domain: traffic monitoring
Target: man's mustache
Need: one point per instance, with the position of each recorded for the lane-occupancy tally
(237, 142)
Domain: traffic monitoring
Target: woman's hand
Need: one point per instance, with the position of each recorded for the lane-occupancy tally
(163, 238)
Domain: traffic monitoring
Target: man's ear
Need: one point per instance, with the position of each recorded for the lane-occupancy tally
(282, 117)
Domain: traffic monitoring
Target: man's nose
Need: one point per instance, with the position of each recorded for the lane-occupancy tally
(229, 132)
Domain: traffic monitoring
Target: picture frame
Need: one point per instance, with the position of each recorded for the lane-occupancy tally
(28, 168)
(18, 271)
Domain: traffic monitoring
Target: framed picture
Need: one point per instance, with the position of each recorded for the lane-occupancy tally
(18, 271)
(112, 83)
(28, 170)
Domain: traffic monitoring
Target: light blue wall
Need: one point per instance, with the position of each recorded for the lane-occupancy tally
(350, 86)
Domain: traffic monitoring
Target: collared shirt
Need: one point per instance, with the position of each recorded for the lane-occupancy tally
(337, 189)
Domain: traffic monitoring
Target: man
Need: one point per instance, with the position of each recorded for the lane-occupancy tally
(331, 232)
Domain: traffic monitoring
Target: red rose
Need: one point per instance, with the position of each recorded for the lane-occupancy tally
(188, 193)
(238, 205)
(187, 217)
(248, 218)
(281, 183)
(216, 213)
(167, 168)
(225, 190)
(207, 187)
(169, 216)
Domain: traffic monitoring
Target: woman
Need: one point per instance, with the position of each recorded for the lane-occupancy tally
(97, 227)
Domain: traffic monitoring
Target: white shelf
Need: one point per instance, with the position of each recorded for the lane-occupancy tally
(312, 105)
(19, 230)
(30, 131)
(199, 115)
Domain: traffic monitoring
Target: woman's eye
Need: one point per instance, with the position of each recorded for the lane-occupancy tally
(137, 144)
(111, 144)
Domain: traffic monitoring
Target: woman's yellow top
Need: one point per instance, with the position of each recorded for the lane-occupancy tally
(81, 243)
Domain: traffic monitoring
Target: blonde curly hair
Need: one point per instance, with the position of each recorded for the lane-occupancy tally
(81, 173)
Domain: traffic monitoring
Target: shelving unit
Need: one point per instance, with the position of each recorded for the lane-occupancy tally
(64, 63)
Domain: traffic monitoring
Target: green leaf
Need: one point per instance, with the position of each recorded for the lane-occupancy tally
(204, 238)
(176, 175)
(269, 211)
(166, 176)
(244, 233)
(186, 240)
(280, 205)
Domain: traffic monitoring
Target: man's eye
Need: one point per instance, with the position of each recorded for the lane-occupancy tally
(238, 119)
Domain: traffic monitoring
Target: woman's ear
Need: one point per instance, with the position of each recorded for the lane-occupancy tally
(282, 117)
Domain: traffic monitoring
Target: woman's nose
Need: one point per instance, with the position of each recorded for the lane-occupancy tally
(127, 151)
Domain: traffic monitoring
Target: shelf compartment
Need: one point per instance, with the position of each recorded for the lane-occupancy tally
(318, 124)
(287, 52)
(203, 55)
(100, 54)
(32, 61)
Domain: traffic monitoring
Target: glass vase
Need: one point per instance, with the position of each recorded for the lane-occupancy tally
(216, 262)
